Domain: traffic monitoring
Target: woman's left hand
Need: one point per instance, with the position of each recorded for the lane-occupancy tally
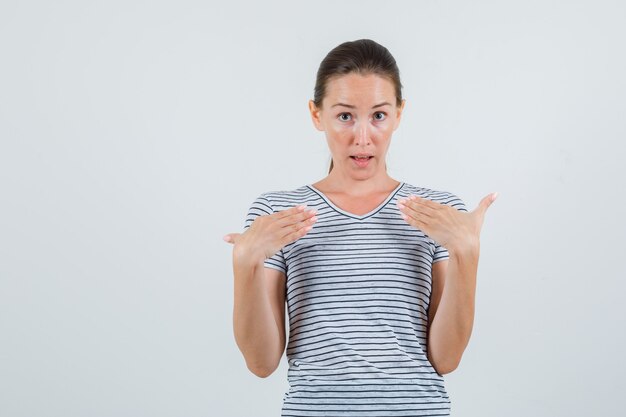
(446, 225)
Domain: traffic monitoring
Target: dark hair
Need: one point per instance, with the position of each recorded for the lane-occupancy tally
(363, 56)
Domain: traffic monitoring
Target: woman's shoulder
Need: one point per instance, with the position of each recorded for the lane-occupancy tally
(440, 196)
(286, 197)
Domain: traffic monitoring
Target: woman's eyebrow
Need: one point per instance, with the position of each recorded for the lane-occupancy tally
(352, 107)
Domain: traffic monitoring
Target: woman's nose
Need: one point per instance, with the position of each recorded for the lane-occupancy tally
(362, 133)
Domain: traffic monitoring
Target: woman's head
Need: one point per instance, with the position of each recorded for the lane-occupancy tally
(358, 103)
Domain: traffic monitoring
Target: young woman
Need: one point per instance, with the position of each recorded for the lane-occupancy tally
(378, 275)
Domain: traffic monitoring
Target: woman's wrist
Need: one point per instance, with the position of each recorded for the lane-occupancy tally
(466, 246)
(246, 257)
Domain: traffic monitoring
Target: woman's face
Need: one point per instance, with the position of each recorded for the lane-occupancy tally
(359, 115)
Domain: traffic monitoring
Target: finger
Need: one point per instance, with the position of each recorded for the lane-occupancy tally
(415, 209)
(231, 237)
(414, 219)
(299, 215)
(295, 223)
(426, 203)
(487, 201)
(297, 230)
(418, 203)
(417, 224)
(291, 211)
(297, 212)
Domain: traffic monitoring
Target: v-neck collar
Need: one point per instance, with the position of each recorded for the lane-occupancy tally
(355, 216)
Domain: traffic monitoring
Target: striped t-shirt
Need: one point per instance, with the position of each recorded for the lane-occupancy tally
(358, 291)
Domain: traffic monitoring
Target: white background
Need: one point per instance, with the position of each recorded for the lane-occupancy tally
(135, 134)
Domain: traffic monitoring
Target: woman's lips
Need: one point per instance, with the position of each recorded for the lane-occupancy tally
(361, 162)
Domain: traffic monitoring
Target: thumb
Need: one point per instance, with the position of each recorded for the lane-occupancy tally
(487, 201)
(231, 237)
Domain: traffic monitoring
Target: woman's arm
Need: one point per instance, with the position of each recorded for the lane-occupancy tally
(259, 314)
(451, 313)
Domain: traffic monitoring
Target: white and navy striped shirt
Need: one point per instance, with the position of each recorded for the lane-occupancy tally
(358, 291)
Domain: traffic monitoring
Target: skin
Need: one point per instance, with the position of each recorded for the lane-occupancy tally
(364, 128)
(360, 127)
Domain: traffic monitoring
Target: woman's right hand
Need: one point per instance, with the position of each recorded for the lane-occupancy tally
(269, 233)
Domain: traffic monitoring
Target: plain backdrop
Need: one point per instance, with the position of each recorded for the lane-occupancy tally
(135, 134)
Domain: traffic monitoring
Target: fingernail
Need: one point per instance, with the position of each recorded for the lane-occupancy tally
(226, 238)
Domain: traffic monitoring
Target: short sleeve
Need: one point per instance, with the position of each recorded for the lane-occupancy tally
(261, 206)
(441, 253)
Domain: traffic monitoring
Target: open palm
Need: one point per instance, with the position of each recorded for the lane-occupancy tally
(445, 224)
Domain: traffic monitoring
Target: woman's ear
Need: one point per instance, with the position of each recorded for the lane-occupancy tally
(315, 116)
(399, 114)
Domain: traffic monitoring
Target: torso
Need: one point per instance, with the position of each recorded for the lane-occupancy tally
(357, 295)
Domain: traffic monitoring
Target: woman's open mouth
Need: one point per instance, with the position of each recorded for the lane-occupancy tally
(361, 161)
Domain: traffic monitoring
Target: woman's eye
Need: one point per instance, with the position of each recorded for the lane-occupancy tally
(342, 118)
(380, 113)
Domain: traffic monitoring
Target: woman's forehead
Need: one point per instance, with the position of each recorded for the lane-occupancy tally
(362, 88)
